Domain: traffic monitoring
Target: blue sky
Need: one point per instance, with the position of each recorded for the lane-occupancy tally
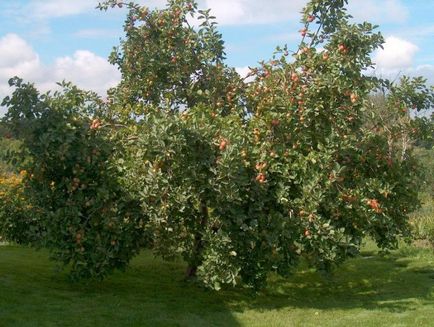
(46, 41)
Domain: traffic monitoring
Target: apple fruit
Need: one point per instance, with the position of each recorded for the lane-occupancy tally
(223, 144)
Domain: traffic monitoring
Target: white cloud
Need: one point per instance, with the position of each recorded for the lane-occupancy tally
(46, 9)
(35, 15)
(58, 8)
(243, 71)
(220, 9)
(397, 60)
(16, 58)
(237, 12)
(153, 3)
(83, 68)
(397, 54)
(228, 12)
(14, 50)
(87, 70)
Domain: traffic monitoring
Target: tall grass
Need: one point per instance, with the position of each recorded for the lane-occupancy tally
(422, 221)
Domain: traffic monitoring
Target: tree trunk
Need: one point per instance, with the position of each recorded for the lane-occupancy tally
(198, 246)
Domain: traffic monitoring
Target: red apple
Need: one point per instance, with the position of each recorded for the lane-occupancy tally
(223, 145)
(261, 178)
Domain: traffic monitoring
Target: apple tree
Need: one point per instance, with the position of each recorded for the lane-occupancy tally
(243, 179)
(188, 159)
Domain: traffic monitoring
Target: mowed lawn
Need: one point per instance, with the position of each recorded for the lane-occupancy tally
(373, 290)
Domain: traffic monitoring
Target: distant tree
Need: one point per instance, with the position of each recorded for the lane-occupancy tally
(391, 112)
(424, 131)
(7, 145)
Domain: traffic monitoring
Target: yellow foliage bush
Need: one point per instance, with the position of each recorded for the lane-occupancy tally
(18, 221)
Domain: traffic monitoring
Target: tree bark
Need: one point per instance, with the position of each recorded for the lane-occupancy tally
(198, 246)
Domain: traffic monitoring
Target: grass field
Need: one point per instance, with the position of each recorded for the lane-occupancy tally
(373, 290)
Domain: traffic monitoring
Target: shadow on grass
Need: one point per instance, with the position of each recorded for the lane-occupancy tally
(153, 293)
(149, 293)
(396, 282)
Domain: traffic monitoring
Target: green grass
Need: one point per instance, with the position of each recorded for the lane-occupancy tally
(373, 290)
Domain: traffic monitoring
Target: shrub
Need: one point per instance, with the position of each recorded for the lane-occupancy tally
(88, 221)
(19, 221)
